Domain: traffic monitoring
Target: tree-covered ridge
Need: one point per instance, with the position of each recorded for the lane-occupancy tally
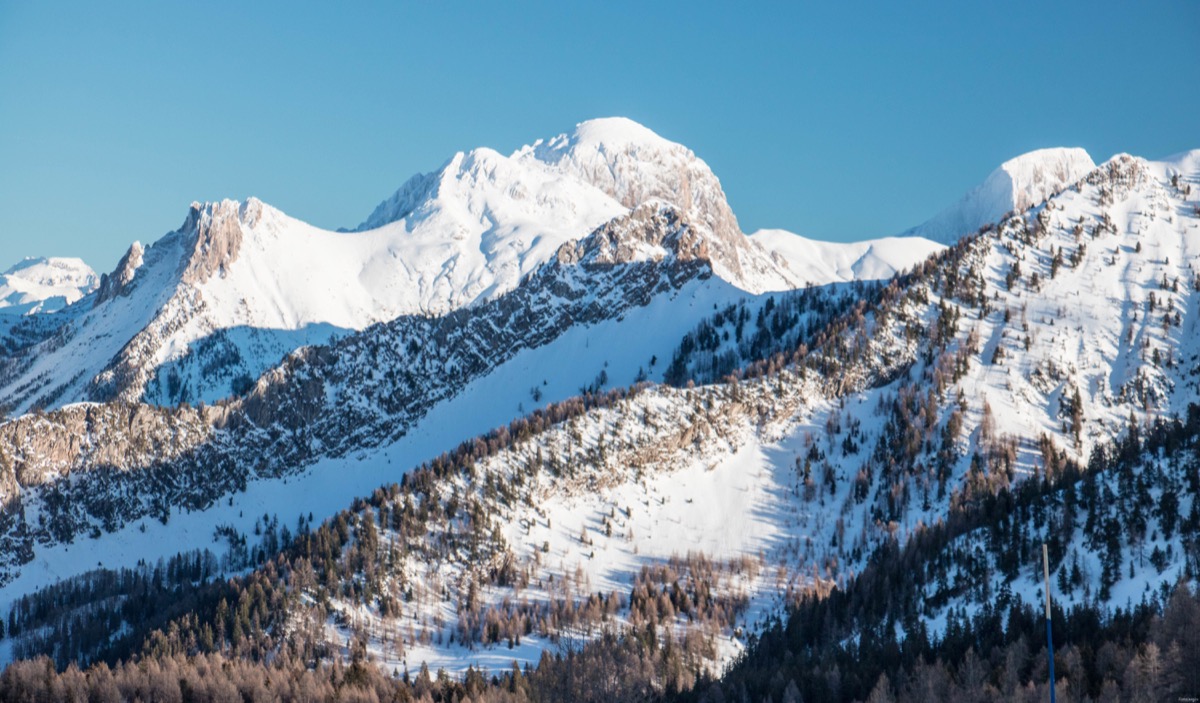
(868, 641)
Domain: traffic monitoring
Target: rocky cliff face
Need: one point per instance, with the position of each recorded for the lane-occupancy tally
(636, 166)
(118, 282)
(217, 237)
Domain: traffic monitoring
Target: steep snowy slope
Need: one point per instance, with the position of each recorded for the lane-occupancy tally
(44, 285)
(1018, 184)
(821, 262)
(471, 230)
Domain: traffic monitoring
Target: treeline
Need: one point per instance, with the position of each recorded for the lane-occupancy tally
(634, 668)
(108, 613)
(74, 619)
(1148, 652)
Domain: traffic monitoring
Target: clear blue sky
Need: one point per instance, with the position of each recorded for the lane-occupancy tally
(836, 120)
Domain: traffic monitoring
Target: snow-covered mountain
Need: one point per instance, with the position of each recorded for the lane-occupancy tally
(44, 285)
(1016, 353)
(721, 438)
(1018, 184)
(205, 310)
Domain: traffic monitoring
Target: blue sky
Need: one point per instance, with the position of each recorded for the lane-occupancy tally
(835, 120)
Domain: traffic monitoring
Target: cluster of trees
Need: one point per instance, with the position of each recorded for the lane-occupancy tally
(74, 620)
(1146, 653)
(735, 335)
(639, 667)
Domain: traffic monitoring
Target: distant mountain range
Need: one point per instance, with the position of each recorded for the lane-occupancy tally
(44, 285)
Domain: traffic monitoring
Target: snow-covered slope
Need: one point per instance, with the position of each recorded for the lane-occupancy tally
(1018, 184)
(817, 262)
(44, 285)
(471, 230)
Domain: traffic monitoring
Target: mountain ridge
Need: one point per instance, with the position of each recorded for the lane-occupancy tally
(241, 284)
(798, 434)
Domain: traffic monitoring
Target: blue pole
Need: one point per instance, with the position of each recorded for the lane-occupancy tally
(1049, 629)
(1050, 649)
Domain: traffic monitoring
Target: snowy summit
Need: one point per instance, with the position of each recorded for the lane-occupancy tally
(1017, 184)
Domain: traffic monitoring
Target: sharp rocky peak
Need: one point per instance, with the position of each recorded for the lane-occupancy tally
(119, 281)
(214, 232)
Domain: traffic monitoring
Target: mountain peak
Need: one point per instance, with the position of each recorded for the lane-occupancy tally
(1036, 175)
(1039, 158)
(118, 282)
(606, 133)
(633, 165)
(217, 229)
(1017, 184)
